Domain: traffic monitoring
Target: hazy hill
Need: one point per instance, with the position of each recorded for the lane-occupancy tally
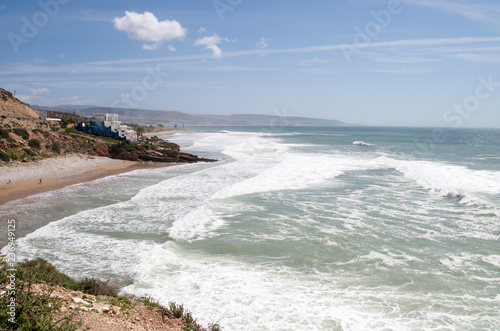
(145, 116)
(264, 120)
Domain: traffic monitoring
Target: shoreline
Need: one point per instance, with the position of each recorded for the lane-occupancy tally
(100, 168)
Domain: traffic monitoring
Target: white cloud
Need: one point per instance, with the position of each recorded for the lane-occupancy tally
(146, 27)
(151, 47)
(201, 30)
(38, 91)
(211, 43)
(262, 43)
(172, 48)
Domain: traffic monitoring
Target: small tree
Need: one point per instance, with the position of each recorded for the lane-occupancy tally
(140, 130)
(154, 140)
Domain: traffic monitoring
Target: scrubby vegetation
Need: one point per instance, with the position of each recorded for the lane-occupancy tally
(34, 143)
(4, 157)
(22, 133)
(36, 311)
(33, 311)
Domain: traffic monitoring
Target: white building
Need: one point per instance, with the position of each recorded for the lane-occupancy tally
(111, 121)
(131, 135)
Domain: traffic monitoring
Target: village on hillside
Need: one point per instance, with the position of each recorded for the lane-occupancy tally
(28, 135)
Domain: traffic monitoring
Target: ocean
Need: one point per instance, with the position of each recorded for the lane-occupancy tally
(295, 228)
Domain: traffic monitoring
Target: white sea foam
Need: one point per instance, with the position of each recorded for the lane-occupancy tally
(271, 297)
(449, 180)
(302, 240)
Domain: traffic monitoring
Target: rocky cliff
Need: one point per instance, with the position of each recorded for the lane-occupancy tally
(10, 105)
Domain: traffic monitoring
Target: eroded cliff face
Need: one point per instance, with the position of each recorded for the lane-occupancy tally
(10, 105)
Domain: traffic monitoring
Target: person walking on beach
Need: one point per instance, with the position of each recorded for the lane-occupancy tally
(40, 181)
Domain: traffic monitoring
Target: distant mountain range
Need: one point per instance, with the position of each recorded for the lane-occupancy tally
(144, 116)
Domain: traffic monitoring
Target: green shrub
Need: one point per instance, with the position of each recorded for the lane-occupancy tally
(22, 133)
(56, 147)
(120, 301)
(4, 134)
(15, 153)
(71, 130)
(39, 270)
(169, 145)
(67, 121)
(119, 148)
(4, 157)
(34, 143)
(131, 148)
(33, 311)
(29, 152)
(150, 303)
(95, 287)
(176, 310)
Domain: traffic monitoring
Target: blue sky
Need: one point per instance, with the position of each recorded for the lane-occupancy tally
(407, 62)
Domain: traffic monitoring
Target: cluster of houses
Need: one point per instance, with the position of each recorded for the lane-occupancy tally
(107, 125)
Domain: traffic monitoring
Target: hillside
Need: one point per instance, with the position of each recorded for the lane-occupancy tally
(10, 105)
(269, 120)
(153, 117)
(31, 139)
(27, 138)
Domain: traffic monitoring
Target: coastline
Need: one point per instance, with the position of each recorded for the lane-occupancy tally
(170, 132)
(60, 172)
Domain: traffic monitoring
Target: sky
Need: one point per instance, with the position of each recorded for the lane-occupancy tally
(391, 62)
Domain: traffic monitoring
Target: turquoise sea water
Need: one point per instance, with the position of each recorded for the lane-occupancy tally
(297, 228)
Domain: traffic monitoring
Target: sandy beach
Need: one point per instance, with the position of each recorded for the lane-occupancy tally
(21, 180)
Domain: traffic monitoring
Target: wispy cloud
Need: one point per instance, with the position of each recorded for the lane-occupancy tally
(262, 43)
(471, 10)
(315, 61)
(376, 51)
(481, 58)
(403, 70)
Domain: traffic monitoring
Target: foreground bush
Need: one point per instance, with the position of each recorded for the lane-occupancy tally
(30, 311)
(35, 311)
